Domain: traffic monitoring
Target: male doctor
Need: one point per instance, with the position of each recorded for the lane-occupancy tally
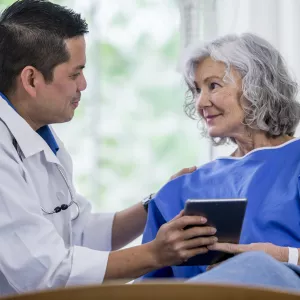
(49, 238)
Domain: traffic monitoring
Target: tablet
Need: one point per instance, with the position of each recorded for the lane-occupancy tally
(226, 215)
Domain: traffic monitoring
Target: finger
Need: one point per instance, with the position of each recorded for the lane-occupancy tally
(198, 231)
(178, 216)
(179, 173)
(200, 241)
(182, 222)
(191, 169)
(229, 248)
(186, 254)
(183, 171)
(212, 266)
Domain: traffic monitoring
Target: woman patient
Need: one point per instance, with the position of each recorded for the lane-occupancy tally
(241, 90)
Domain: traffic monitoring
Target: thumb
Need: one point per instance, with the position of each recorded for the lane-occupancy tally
(179, 215)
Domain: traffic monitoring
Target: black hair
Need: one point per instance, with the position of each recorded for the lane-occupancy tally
(33, 33)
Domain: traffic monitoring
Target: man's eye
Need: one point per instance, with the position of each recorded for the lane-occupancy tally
(74, 76)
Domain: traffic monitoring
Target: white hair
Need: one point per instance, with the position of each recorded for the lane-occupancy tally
(268, 89)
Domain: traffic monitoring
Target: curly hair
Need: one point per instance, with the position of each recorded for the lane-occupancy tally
(267, 87)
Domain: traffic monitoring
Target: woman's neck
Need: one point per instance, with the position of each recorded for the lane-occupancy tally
(257, 140)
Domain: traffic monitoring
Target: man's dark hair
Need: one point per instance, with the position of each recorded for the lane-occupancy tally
(33, 33)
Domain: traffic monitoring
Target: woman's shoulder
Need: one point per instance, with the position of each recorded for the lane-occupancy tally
(221, 168)
(288, 147)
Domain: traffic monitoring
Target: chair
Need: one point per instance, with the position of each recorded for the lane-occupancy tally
(157, 291)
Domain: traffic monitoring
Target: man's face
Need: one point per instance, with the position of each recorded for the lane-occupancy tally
(57, 100)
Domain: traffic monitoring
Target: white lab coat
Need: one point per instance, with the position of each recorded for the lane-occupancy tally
(40, 251)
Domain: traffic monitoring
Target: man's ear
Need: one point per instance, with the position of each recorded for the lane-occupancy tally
(30, 77)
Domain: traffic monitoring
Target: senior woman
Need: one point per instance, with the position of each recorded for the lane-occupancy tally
(242, 91)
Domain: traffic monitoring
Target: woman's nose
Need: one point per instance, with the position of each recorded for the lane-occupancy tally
(203, 100)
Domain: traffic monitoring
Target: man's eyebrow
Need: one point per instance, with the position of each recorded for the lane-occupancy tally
(80, 67)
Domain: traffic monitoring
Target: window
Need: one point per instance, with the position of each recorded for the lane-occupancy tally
(130, 133)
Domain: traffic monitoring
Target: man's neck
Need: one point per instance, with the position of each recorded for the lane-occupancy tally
(23, 109)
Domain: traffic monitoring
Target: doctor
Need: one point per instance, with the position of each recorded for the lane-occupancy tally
(49, 238)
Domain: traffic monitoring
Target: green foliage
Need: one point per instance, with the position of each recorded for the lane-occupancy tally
(114, 64)
(4, 3)
(169, 50)
(119, 20)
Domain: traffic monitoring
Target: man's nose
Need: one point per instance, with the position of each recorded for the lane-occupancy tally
(82, 84)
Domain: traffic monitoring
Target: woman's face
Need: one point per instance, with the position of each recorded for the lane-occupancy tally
(218, 102)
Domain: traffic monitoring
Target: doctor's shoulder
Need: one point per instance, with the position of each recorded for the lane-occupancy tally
(7, 147)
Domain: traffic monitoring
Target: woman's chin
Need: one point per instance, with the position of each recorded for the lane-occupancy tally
(214, 133)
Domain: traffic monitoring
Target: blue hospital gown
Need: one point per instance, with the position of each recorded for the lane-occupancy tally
(267, 177)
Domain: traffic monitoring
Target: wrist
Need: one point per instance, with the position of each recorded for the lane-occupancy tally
(152, 254)
(147, 200)
(284, 254)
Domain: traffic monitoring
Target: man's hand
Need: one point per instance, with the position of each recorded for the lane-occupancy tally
(184, 171)
(174, 245)
(279, 253)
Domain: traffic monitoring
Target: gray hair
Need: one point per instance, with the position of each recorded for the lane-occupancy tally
(268, 88)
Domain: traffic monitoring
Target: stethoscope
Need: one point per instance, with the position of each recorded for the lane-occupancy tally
(58, 209)
(62, 207)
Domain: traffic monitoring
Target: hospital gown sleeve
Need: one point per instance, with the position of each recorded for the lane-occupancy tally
(154, 221)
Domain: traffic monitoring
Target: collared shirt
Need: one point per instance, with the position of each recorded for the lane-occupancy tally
(41, 251)
(44, 131)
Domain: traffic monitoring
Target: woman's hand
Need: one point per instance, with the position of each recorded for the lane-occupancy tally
(279, 253)
(174, 244)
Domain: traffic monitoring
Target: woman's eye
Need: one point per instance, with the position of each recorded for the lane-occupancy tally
(213, 85)
(198, 90)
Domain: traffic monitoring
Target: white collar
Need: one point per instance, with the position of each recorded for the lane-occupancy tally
(29, 141)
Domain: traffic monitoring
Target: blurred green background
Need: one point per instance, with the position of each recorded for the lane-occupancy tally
(130, 133)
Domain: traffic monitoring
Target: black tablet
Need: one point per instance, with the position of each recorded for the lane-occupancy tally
(226, 215)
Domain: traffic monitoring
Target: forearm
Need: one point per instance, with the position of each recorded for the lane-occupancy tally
(128, 224)
(283, 254)
(278, 252)
(130, 263)
(171, 246)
